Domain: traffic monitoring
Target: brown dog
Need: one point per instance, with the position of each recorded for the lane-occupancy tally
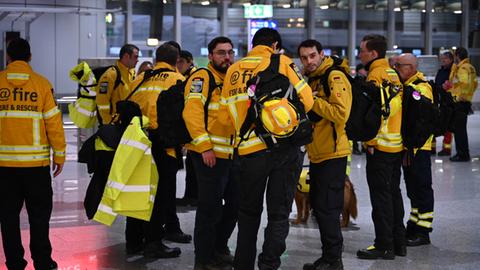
(349, 203)
(302, 198)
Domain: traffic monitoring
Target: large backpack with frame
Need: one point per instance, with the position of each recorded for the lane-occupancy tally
(267, 87)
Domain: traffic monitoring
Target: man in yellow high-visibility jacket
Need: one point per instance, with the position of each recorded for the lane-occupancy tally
(384, 156)
(212, 157)
(418, 172)
(30, 125)
(271, 171)
(462, 84)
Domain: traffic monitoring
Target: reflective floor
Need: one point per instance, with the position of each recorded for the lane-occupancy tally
(82, 244)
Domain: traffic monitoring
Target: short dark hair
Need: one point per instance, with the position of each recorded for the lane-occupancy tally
(267, 36)
(166, 53)
(174, 44)
(448, 54)
(186, 55)
(359, 66)
(127, 48)
(308, 44)
(19, 50)
(214, 42)
(376, 43)
(461, 53)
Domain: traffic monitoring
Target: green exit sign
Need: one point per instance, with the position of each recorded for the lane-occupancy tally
(258, 11)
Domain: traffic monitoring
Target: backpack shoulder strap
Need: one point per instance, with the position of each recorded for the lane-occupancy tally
(212, 84)
(275, 62)
(118, 79)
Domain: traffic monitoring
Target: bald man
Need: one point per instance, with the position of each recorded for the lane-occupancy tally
(418, 174)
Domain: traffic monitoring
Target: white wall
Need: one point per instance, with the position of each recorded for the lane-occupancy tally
(58, 40)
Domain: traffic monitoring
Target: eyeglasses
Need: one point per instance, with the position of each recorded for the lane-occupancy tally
(397, 65)
(224, 53)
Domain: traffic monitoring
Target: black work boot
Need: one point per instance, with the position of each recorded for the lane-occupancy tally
(322, 264)
(418, 240)
(372, 253)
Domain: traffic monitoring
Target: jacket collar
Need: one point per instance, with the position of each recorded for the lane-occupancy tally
(217, 74)
(326, 63)
(464, 61)
(418, 75)
(379, 62)
(127, 74)
(160, 65)
(19, 66)
(261, 50)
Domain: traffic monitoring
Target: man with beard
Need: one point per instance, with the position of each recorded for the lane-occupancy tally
(212, 156)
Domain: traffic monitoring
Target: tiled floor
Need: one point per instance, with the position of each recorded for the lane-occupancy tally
(82, 244)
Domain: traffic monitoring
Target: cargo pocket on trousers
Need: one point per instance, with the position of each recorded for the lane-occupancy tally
(335, 195)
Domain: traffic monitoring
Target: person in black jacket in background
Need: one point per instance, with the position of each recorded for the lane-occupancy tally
(446, 62)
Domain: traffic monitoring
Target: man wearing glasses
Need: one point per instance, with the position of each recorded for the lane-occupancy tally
(418, 172)
(212, 157)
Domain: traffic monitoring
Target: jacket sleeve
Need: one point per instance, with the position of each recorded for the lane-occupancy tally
(337, 108)
(301, 86)
(104, 96)
(52, 118)
(196, 92)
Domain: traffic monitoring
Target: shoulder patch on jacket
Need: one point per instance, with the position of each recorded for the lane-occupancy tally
(103, 87)
(297, 71)
(197, 85)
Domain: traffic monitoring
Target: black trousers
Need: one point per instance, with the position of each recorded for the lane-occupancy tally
(462, 109)
(164, 217)
(32, 186)
(327, 181)
(418, 180)
(214, 221)
(191, 189)
(383, 177)
(277, 172)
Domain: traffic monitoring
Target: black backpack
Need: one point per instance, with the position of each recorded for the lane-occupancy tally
(418, 118)
(270, 84)
(366, 111)
(444, 109)
(172, 131)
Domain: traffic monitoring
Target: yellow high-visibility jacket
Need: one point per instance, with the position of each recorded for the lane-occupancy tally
(426, 90)
(147, 94)
(218, 137)
(389, 138)
(133, 179)
(235, 98)
(464, 79)
(30, 122)
(107, 97)
(333, 109)
(83, 112)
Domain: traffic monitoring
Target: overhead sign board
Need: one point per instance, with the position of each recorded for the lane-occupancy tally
(255, 25)
(258, 11)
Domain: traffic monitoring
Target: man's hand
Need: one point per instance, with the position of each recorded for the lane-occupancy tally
(447, 85)
(209, 158)
(57, 168)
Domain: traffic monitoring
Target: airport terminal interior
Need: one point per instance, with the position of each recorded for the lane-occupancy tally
(64, 32)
